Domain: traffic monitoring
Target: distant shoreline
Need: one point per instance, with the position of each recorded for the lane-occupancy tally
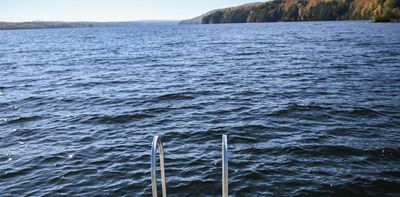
(62, 24)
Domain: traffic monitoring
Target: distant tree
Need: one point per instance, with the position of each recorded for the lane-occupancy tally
(296, 10)
(392, 4)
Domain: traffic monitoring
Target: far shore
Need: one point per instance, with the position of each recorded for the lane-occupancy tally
(62, 24)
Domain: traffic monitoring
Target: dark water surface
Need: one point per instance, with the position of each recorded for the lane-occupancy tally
(310, 109)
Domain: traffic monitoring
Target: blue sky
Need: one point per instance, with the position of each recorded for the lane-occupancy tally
(108, 10)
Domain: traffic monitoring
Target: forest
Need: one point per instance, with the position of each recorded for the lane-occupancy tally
(305, 10)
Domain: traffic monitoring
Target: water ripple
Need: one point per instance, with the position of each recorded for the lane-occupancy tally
(310, 109)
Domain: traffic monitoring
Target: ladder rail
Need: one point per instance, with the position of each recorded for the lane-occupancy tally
(225, 179)
(157, 143)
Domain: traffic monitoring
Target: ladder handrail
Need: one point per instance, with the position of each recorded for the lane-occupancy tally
(225, 179)
(157, 142)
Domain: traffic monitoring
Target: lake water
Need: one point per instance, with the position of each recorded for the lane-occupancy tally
(310, 109)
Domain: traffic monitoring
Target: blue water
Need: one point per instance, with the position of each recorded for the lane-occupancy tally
(310, 109)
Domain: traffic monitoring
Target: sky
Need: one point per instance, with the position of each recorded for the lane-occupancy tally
(108, 10)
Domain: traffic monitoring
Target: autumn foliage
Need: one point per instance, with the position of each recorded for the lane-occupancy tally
(308, 10)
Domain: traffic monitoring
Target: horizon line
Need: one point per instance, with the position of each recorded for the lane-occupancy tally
(88, 21)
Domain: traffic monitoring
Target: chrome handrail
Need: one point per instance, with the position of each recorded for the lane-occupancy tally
(224, 166)
(157, 142)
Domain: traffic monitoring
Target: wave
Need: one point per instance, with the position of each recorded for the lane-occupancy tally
(363, 187)
(113, 119)
(174, 96)
(23, 119)
(248, 53)
(251, 127)
(363, 111)
(338, 150)
(314, 110)
(296, 108)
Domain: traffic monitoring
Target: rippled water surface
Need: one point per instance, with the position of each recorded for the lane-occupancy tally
(310, 109)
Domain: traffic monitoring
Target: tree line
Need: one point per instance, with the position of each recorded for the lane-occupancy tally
(308, 10)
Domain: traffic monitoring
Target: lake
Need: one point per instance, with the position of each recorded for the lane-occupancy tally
(310, 109)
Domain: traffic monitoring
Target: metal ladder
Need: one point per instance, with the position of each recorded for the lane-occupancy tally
(158, 143)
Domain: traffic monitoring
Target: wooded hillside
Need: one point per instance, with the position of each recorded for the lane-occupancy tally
(306, 10)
